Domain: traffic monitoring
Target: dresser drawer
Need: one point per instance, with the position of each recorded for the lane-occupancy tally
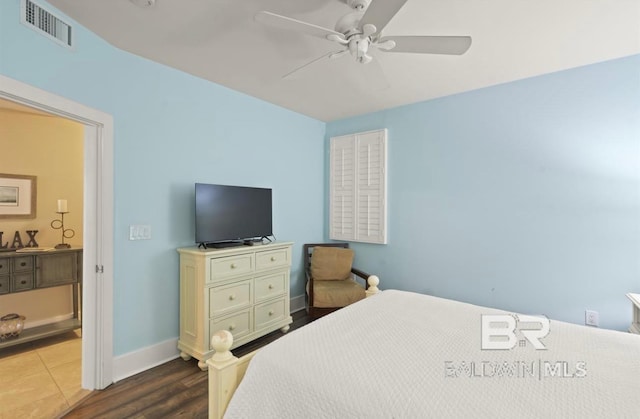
(272, 259)
(229, 297)
(239, 324)
(270, 286)
(4, 284)
(22, 281)
(269, 312)
(230, 266)
(21, 264)
(4, 266)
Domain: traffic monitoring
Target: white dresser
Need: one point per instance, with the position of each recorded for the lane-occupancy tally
(244, 290)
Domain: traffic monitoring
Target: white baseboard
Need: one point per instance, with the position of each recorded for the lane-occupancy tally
(297, 303)
(143, 359)
(135, 362)
(30, 324)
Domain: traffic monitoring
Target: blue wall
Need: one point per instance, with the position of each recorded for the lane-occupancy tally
(523, 196)
(172, 130)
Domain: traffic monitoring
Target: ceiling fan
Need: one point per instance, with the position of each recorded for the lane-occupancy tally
(358, 31)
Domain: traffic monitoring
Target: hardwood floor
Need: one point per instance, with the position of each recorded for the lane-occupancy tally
(174, 389)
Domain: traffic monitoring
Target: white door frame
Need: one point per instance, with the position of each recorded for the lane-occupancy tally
(97, 274)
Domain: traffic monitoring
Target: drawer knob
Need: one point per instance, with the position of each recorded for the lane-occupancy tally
(271, 312)
(1, 266)
(23, 264)
(231, 327)
(23, 282)
(273, 258)
(233, 266)
(232, 297)
(270, 286)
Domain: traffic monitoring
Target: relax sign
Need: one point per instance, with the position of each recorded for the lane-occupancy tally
(17, 242)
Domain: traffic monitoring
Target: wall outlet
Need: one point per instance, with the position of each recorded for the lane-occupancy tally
(591, 318)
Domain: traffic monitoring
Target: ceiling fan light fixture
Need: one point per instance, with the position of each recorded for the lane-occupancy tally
(359, 48)
(386, 45)
(368, 29)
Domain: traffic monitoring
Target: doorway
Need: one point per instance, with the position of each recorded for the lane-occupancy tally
(97, 335)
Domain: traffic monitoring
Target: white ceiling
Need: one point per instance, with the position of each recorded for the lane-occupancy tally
(218, 40)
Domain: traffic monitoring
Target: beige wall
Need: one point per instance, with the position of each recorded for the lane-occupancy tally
(50, 148)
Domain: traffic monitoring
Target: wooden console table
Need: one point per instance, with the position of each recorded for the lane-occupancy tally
(27, 271)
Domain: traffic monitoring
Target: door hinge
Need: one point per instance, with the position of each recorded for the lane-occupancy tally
(99, 269)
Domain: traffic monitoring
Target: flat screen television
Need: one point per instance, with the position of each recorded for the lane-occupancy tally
(231, 215)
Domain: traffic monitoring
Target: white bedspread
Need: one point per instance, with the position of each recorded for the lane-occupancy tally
(407, 355)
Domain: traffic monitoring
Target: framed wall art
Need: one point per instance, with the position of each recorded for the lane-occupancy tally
(17, 196)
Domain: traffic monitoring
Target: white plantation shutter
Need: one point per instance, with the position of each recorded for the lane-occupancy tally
(358, 187)
(342, 188)
(370, 187)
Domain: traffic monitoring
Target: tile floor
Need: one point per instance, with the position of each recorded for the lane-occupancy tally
(41, 379)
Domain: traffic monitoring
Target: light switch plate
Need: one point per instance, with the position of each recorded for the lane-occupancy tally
(140, 232)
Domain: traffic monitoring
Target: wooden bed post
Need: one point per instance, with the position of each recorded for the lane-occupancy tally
(222, 373)
(373, 282)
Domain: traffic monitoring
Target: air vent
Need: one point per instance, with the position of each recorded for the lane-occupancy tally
(46, 23)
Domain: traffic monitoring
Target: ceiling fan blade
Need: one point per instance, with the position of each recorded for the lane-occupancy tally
(338, 54)
(450, 45)
(380, 12)
(287, 23)
(332, 54)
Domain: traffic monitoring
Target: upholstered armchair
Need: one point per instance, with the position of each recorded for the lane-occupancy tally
(331, 278)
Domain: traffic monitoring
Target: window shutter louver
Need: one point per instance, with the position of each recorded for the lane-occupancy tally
(358, 187)
(342, 187)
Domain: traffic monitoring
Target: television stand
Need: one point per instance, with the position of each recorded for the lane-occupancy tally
(220, 245)
(245, 290)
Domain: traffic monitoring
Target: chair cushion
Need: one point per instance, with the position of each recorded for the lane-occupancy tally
(336, 293)
(331, 263)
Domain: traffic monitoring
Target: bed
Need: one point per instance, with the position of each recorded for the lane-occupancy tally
(406, 355)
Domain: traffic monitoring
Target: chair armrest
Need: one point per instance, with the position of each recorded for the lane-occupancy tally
(307, 273)
(361, 274)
